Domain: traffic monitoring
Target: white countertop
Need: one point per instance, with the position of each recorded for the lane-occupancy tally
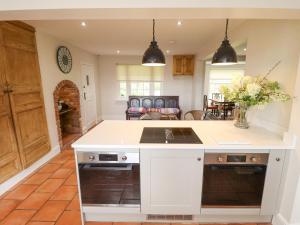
(215, 135)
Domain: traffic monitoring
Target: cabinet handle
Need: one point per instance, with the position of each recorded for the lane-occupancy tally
(277, 159)
(7, 89)
(199, 159)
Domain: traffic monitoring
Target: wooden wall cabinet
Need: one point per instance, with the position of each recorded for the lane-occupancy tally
(183, 65)
(23, 125)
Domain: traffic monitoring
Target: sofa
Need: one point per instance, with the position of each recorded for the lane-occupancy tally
(139, 105)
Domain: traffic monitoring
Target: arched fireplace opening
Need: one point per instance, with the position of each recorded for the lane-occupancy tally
(67, 111)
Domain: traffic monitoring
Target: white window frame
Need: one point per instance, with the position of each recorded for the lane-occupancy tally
(128, 82)
(209, 67)
(129, 90)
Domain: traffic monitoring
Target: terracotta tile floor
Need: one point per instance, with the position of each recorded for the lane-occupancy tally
(49, 196)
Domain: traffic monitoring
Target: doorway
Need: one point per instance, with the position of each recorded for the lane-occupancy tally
(89, 97)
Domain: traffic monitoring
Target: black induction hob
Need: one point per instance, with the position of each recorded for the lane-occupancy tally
(170, 135)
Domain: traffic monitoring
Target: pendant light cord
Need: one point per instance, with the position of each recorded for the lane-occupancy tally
(226, 29)
(153, 30)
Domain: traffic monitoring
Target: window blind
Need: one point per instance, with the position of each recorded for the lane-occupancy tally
(139, 73)
(225, 74)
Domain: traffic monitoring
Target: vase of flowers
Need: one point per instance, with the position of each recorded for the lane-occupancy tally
(247, 91)
(241, 119)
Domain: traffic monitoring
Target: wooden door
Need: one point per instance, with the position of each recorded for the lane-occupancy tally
(27, 106)
(171, 181)
(9, 156)
(178, 65)
(188, 65)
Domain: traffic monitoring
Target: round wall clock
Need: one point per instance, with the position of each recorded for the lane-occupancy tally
(64, 59)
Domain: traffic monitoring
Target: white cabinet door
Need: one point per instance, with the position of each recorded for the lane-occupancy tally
(171, 181)
(272, 182)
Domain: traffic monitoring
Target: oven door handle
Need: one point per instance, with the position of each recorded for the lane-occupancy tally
(114, 168)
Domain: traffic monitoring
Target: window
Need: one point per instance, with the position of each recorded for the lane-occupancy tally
(139, 80)
(219, 76)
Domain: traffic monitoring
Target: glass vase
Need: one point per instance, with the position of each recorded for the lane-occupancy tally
(241, 121)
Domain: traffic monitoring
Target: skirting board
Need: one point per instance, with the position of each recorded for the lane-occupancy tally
(280, 220)
(104, 217)
(24, 173)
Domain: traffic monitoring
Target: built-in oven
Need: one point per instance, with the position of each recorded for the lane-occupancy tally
(109, 179)
(233, 180)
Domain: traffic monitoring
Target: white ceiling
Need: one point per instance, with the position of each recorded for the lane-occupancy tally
(73, 4)
(132, 37)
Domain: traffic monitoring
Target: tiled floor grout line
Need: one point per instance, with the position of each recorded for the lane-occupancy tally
(22, 182)
(37, 210)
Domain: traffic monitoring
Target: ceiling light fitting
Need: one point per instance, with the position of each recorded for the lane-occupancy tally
(153, 56)
(225, 54)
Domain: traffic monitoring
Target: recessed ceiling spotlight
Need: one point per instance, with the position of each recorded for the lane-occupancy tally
(179, 23)
(168, 51)
(118, 52)
(245, 49)
(83, 24)
(172, 42)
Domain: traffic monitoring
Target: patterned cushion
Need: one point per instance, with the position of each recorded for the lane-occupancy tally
(153, 110)
(169, 110)
(137, 110)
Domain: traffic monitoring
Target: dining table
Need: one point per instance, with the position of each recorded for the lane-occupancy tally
(223, 105)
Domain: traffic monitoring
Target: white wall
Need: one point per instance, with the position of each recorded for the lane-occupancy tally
(290, 203)
(51, 75)
(198, 85)
(112, 108)
(267, 42)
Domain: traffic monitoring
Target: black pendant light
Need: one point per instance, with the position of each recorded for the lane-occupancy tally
(153, 56)
(225, 55)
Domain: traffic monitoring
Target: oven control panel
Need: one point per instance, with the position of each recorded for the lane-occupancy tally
(108, 157)
(232, 158)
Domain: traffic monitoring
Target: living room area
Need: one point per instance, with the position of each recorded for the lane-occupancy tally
(64, 71)
(118, 73)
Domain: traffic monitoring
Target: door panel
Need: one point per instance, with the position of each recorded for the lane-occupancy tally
(23, 69)
(171, 181)
(189, 65)
(89, 95)
(31, 132)
(27, 106)
(272, 182)
(18, 35)
(178, 65)
(9, 156)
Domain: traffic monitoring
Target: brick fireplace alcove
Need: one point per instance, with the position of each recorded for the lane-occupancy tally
(68, 116)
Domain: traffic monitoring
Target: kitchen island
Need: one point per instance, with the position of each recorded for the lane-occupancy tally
(234, 175)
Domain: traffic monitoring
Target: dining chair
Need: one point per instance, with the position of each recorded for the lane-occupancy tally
(194, 115)
(206, 107)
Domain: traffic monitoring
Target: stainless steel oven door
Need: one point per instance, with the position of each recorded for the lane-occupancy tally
(109, 184)
(231, 180)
